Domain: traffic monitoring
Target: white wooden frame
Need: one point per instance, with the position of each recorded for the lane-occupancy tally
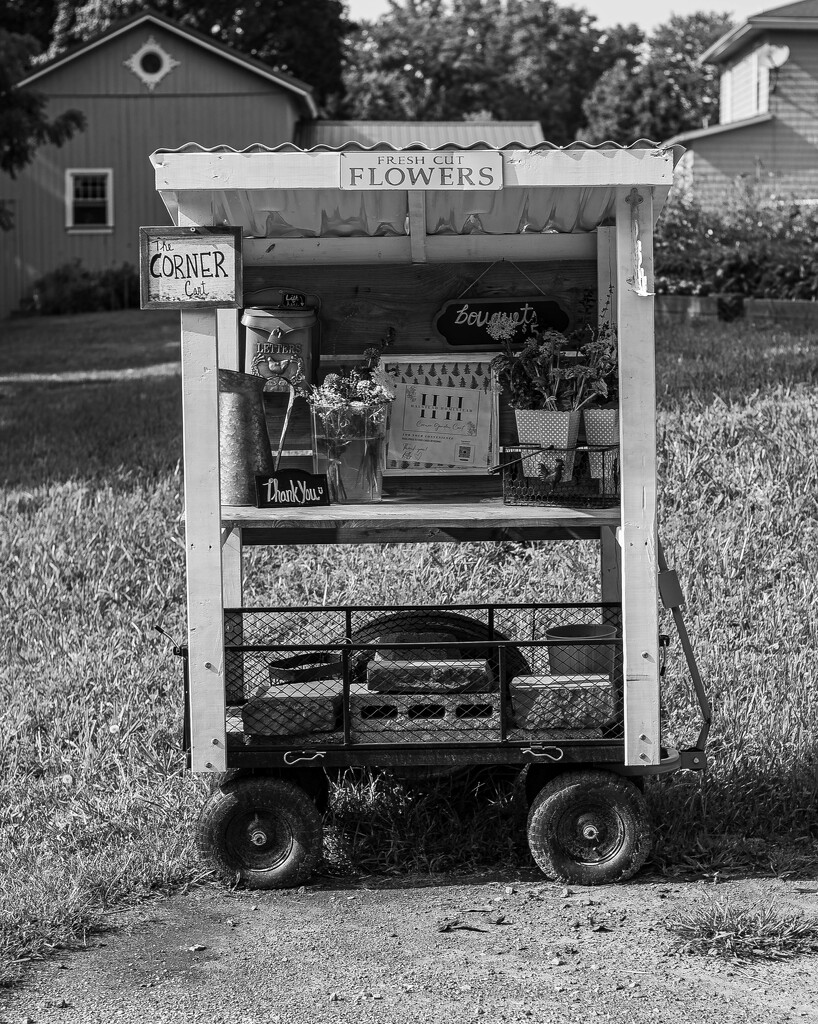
(628, 555)
(203, 539)
(522, 168)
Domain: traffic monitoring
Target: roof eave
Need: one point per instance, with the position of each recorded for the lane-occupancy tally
(718, 129)
(301, 89)
(737, 38)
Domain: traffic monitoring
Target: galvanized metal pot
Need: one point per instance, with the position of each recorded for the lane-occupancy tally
(244, 445)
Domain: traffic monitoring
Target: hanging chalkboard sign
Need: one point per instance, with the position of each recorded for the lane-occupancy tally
(486, 323)
(292, 488)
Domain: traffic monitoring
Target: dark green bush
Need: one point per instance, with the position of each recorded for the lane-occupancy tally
(72, 288)
(756, 246)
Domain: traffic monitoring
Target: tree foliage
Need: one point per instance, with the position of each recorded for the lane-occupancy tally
(24, 124)
(29, 18)
(301, 39)
(501, 59)
(668, 91)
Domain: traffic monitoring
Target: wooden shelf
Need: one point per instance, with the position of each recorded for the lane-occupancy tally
(401, 520)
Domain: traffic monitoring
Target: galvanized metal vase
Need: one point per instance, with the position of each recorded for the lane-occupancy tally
(244, 444)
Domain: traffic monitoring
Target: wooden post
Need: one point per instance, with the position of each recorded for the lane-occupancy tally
(200, 440)
(606, 274)
(637, 386)
(232, 576)
(417, 225)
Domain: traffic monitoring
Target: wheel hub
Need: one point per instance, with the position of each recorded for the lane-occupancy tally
(258, 837)
(592, 836)
(258, 841)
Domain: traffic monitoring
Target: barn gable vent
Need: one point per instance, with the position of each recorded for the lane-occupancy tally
(150, 63)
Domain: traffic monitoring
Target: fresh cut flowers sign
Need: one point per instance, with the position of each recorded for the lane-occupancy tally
(438, 170)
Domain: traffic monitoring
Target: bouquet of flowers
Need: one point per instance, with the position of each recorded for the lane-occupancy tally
(350, 413)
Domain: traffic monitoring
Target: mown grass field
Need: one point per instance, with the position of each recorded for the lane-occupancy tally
(96, 808)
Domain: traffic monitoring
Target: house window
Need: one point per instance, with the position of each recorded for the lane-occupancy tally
(745, 88)
(89, 200)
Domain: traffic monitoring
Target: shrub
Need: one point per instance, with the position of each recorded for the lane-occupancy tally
(72, 288)
(755, 245)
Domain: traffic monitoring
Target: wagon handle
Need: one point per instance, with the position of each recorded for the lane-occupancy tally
(180, 650)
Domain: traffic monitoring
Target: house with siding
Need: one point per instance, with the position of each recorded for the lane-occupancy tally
(146, 84)
(768, 110)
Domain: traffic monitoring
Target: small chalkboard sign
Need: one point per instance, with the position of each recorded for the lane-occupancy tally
(292, 488)
(486, 323)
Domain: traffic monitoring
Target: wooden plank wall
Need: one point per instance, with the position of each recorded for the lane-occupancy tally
(359, 304)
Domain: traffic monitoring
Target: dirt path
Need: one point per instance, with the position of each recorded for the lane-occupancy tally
(399, 952)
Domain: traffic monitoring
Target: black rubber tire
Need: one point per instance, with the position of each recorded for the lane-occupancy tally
(313, 781)
(282, 820)
(589, 827)
(461, 627)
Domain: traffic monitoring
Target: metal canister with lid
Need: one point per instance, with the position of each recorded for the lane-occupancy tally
(281, 340)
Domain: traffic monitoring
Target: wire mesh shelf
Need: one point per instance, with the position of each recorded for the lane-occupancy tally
(481, 674)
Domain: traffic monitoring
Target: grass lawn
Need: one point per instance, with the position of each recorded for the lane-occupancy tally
(97, 808)
(106, 341)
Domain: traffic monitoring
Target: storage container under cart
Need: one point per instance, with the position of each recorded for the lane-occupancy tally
(426, 249)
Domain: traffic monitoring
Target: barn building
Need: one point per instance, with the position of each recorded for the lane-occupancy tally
(143, 84)
(146, 84)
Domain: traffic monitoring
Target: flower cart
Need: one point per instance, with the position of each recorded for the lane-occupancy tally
(433, 262)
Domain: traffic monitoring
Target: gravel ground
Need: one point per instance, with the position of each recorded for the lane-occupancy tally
(487, 948)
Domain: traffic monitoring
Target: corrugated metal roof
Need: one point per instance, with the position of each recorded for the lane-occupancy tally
(401, 134)
(289, 147)
(293, 211)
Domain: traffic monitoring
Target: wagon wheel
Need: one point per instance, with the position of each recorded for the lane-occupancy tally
(461, 627)
(589, 828)
(314, 781)
(261, 830)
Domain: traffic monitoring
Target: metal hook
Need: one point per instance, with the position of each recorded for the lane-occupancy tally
(544, 752)
(294, 756)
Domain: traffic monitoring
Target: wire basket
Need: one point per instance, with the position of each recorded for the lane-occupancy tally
(533, 475)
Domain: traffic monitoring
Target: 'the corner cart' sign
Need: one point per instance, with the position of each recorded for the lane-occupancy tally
(190, 268)
(439, 170)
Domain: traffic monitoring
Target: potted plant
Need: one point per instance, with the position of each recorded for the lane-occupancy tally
(599, 354)
(350, 413)
(548, 383)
